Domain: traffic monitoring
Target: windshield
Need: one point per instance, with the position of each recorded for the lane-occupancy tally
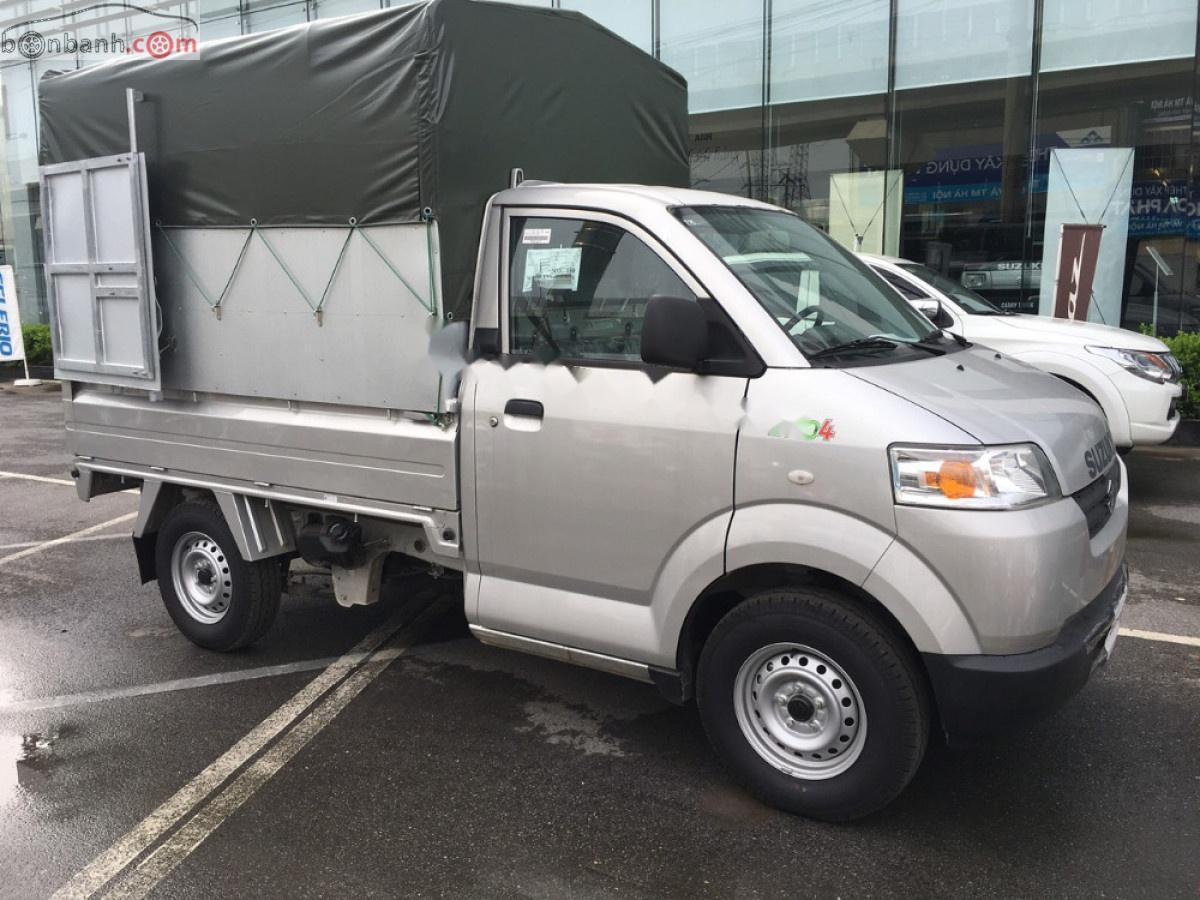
(830, 305)
(970, 301)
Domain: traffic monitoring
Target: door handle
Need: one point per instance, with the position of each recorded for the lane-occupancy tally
(531, 409)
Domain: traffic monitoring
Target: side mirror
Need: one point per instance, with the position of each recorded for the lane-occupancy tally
(674, 333)
(933, 311)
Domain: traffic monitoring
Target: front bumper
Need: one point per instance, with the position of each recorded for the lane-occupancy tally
(982, 694)
(1153, 407)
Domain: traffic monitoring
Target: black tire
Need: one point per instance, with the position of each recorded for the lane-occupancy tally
(879, 667)
(249, 591)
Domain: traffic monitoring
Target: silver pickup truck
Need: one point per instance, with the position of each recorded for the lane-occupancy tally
(685, 439)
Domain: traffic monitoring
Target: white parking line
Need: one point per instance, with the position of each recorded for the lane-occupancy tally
(155, 867)
(65, 539)
(137, 841)
(184, 684)
(90, 537)
(43, 478)
(1184, 639)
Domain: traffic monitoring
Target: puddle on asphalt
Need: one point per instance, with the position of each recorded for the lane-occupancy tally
(26, 761)
(572, 727)
(153, 631)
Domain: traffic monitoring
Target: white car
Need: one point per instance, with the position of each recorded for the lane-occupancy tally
(1133, 377)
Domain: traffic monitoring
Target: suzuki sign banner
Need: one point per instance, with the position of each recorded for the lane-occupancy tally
(1087, 188)
(1078, 251)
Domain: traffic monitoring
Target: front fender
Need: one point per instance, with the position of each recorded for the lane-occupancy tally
(861, 553)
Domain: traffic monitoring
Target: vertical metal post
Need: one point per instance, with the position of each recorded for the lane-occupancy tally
(765, 145)
(1035, 101)
(1154, 313)
(891, 115)
(132, 97)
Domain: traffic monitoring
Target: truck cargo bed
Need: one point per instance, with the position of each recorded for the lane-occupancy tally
(365, 459)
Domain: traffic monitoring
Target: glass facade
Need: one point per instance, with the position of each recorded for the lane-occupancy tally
(958, 133)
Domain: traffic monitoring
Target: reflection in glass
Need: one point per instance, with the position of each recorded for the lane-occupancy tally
(718, 48)
(822, 296)
(1078, 33)
(808, 143)
(1148, 107)
(962, 41)
(328, 9)
(822, 49)
(631, 19)
(964, 152)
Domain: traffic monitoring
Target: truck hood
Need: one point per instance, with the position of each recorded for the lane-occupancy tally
(998, 400)
(1062, 331)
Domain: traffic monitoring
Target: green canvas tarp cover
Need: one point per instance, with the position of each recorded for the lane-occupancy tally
(379, 117)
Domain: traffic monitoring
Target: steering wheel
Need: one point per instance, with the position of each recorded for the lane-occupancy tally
(814, 311)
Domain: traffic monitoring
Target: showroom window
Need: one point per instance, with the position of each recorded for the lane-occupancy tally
(631, 19)
(960, 143)
(1080, 33)
(718, 48)
(826, 124)
(1116, 148)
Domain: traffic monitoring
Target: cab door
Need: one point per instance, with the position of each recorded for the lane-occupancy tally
(593, 474)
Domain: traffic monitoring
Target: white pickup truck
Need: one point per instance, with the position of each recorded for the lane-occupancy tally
(1133, 377)
(685, 438)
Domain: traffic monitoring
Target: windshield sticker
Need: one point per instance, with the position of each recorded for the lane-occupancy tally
(552, 270)
(804, 430)
(535, 236)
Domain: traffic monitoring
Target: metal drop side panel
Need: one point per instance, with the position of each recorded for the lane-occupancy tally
(101, 293)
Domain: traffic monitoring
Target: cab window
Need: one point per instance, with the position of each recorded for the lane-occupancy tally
(906, 289)
(577, 289)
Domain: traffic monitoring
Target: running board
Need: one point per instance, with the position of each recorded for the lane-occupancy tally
(611, 664)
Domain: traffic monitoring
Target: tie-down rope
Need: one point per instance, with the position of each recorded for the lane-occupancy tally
(318, 306)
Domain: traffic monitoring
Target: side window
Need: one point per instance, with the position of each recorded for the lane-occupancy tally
(577, 289)
(907, 290)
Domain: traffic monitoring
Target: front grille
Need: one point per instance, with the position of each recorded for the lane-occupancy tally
(1099, 499)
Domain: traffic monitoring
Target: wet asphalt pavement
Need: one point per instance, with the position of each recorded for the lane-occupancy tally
(446, 768)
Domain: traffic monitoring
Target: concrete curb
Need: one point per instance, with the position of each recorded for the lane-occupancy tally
(48, 386)
(1186, 435)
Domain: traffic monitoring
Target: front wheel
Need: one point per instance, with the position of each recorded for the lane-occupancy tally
(813, 704)
(217, 599)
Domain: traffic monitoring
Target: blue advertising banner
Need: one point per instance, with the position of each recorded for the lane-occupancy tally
(12, 343)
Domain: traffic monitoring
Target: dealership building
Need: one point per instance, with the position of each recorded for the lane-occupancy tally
(963, 134)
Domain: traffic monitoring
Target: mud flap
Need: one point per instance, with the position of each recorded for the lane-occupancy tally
(143, 548)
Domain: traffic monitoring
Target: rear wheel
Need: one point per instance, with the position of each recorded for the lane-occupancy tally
(813, 704)
(217, 599)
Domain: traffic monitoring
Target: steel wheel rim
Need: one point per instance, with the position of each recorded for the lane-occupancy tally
(201, 577)
(800, 711)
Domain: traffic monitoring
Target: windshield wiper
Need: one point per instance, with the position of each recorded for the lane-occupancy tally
(958, 339)
(858, 345)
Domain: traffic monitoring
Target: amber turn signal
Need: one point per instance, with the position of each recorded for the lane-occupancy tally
(954, 478)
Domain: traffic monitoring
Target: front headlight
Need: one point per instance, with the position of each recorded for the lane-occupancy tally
(1158, 367)
(972, 477)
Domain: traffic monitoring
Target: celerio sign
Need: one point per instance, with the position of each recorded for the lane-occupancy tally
(12, 346)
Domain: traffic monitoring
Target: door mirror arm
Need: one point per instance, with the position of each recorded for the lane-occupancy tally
(934, 311)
